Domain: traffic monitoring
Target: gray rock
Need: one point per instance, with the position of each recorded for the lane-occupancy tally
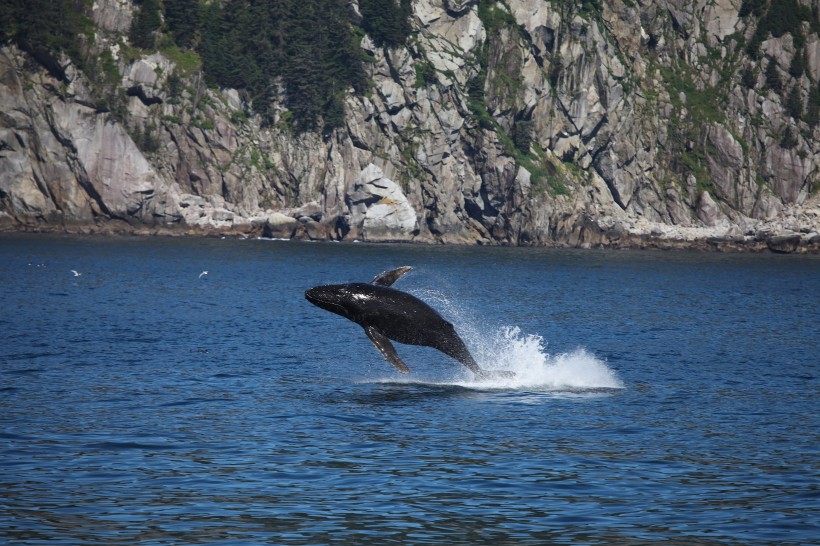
(784, 244)
(381, 208)
(708, 211)
(623, 149)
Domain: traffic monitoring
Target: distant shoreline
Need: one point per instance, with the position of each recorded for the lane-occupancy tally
(771, 243)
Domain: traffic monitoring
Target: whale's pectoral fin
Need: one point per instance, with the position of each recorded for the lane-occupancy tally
(389, 277)
(386, 348)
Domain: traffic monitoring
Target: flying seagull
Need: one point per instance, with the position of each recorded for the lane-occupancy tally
(203, 274)
(76, 273)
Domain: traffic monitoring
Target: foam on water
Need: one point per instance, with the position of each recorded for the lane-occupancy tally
(525, 355)
(533, 368)
(507, 348)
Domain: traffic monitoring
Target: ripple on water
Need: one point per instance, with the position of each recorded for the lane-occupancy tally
(657, 398)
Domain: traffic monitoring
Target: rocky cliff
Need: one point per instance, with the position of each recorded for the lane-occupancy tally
(527, 122)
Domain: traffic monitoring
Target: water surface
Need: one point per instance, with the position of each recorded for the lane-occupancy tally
(658, 397)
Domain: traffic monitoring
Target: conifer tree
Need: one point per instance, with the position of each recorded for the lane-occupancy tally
(387, 22)
(797, 66)
(181, 18)
(147, 21)
(308, 45)
(214, 44)
(773, 80)
(789, 139)
(49, 25)
(749, 78)
(794, 103)
(813, 108)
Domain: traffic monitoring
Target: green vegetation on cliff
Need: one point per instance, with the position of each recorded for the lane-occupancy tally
(146, 23)
(776, 18)
(500, 120)
(386, 21)
(306, 51)
(308, 46)
(44, 27)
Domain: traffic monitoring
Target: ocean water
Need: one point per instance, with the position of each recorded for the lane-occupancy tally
(658, 398)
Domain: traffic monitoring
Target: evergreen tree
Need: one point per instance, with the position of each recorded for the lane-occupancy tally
(752, 7)
(240, 65)
(309, 44)
(174, 85)
(777, 17)
(147, 22)
(798, 65)
(343, 57)
(44, 25)
(813, 107)
(794, 103)
(773, 80)
(522, 135)
(789, 139)
(303, 90)
(333, 112)
(213, 45)
(749, 78)
(181, 18)
(43, 28)
(387, 22)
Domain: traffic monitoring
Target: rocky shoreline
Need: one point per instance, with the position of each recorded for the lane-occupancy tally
(517, 123)
(589, 237)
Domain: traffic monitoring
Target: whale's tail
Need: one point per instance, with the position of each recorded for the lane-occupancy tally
(452, 345)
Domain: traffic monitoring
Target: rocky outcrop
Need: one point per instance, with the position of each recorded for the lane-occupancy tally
(521, 122)
(380, 207)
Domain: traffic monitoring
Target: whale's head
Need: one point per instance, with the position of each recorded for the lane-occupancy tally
(346, 300)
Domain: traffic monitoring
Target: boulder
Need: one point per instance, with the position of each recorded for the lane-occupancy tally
(279, 226)
(381, 208)
(708, 210)
(784, 244)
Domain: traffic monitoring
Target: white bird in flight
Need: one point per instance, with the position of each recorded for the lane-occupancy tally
(76, 273)
(203, 274)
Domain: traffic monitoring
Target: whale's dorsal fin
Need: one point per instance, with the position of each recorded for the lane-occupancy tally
(389, 277)
(386, 348)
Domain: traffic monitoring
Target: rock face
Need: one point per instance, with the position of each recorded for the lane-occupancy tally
(537, 123)
(378, 205)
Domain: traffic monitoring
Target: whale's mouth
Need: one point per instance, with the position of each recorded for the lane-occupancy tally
(320, 298)
(312, 296)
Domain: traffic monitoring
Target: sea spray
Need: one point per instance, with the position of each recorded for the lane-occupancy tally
(508, 348)
(525, 355)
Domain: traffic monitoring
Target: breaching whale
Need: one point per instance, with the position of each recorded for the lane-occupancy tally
(386, 313)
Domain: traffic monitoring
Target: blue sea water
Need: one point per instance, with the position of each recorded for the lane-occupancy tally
(659, 397)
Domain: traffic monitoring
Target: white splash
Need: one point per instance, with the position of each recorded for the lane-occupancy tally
(534, 368)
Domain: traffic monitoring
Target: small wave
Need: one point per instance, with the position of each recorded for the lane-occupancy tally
(27, 371)
(191, 401)
(13, 436)
(125, 446)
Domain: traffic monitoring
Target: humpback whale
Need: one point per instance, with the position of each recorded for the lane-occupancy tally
(389, 314)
